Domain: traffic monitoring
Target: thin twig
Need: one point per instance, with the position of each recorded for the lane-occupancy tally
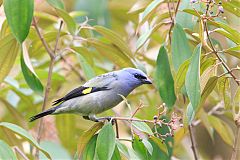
(172, 19)
(205, 19)
(49, 80)
(193, 142)
(236, 145)
(49, 51)
(117, 130)
(72, 68)
(20, 152)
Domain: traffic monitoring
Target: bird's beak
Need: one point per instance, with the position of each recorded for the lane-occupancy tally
(147, 81)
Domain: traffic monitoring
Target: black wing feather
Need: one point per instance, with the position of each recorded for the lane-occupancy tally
(78, 92)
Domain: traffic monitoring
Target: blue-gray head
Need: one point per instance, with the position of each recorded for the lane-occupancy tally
(134, 77)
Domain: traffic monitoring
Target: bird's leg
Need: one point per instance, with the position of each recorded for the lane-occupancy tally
(97, 119)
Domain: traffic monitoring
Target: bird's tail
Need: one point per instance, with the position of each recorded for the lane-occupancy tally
(43, 114)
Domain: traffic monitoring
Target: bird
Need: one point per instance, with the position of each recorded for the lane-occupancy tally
(97, 95)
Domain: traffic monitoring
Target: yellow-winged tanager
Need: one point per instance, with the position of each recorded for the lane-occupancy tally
(98, 94)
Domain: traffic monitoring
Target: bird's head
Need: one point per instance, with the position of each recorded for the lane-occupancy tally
(134, 77)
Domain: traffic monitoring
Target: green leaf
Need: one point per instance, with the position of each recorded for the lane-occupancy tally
(86, 136)
(123, 149)
(116, 155)
(228, 28)
(112, 53)
(192, 82)
(148, 145)
(181, 75)
(6, 152)
(212, 82)
(87, 69)
(159, 143)
(226, 34)
(23, 133)
(180, 47)
(140, 149)
(67, 129)
(56, 3)
(185, 20)
(19, 15)
(190, 113)
(106, 142)
(89, 151)
(164, 79)
(115, 39)
(56, 150)
(150, 9)
(222, 129)
(9, 49)
(141, 126)
(70, 22)
(30, 77)
(234, 51)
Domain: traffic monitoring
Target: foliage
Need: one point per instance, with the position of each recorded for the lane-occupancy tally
(190, 48)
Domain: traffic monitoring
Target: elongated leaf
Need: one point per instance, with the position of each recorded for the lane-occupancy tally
(89, 151)
(141, 126)
(164, 78)
(184, 19)
(86, 136)
(227, 35)
(106, 142)
(192, 82)
(112, 53)
(56, 3)
(87, 69)
(190, 113)
(19, 15)
(209, 88)
(9, 49)
(234, 51)
(30, 77)
(140, 149)
(148, 145)
(70, 22)
(123, 149)
(180, 47)
(66, 126)
(181, 75)
(161, 145)
(222, 129)
(227, 28)
(116, 155)
(115, 39)
(6, 152)
(150, 9)
(23, 133)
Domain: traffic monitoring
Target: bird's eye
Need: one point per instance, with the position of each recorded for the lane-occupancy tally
(139, 76)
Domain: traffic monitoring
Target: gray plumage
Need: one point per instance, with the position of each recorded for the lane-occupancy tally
(106, 91)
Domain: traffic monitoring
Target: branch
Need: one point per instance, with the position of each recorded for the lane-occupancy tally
(193, 142)
(20, 152)
(49, 51)
(236, 144)
(49, 80)
(205, 19)
(172, 18)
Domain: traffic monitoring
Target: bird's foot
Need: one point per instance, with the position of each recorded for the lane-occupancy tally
(99, 119)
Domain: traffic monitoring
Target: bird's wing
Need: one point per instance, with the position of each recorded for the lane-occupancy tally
(80, 91)
(99, 83)
(103, 80)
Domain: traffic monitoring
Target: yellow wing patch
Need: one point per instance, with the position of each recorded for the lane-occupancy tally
(87, 90)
